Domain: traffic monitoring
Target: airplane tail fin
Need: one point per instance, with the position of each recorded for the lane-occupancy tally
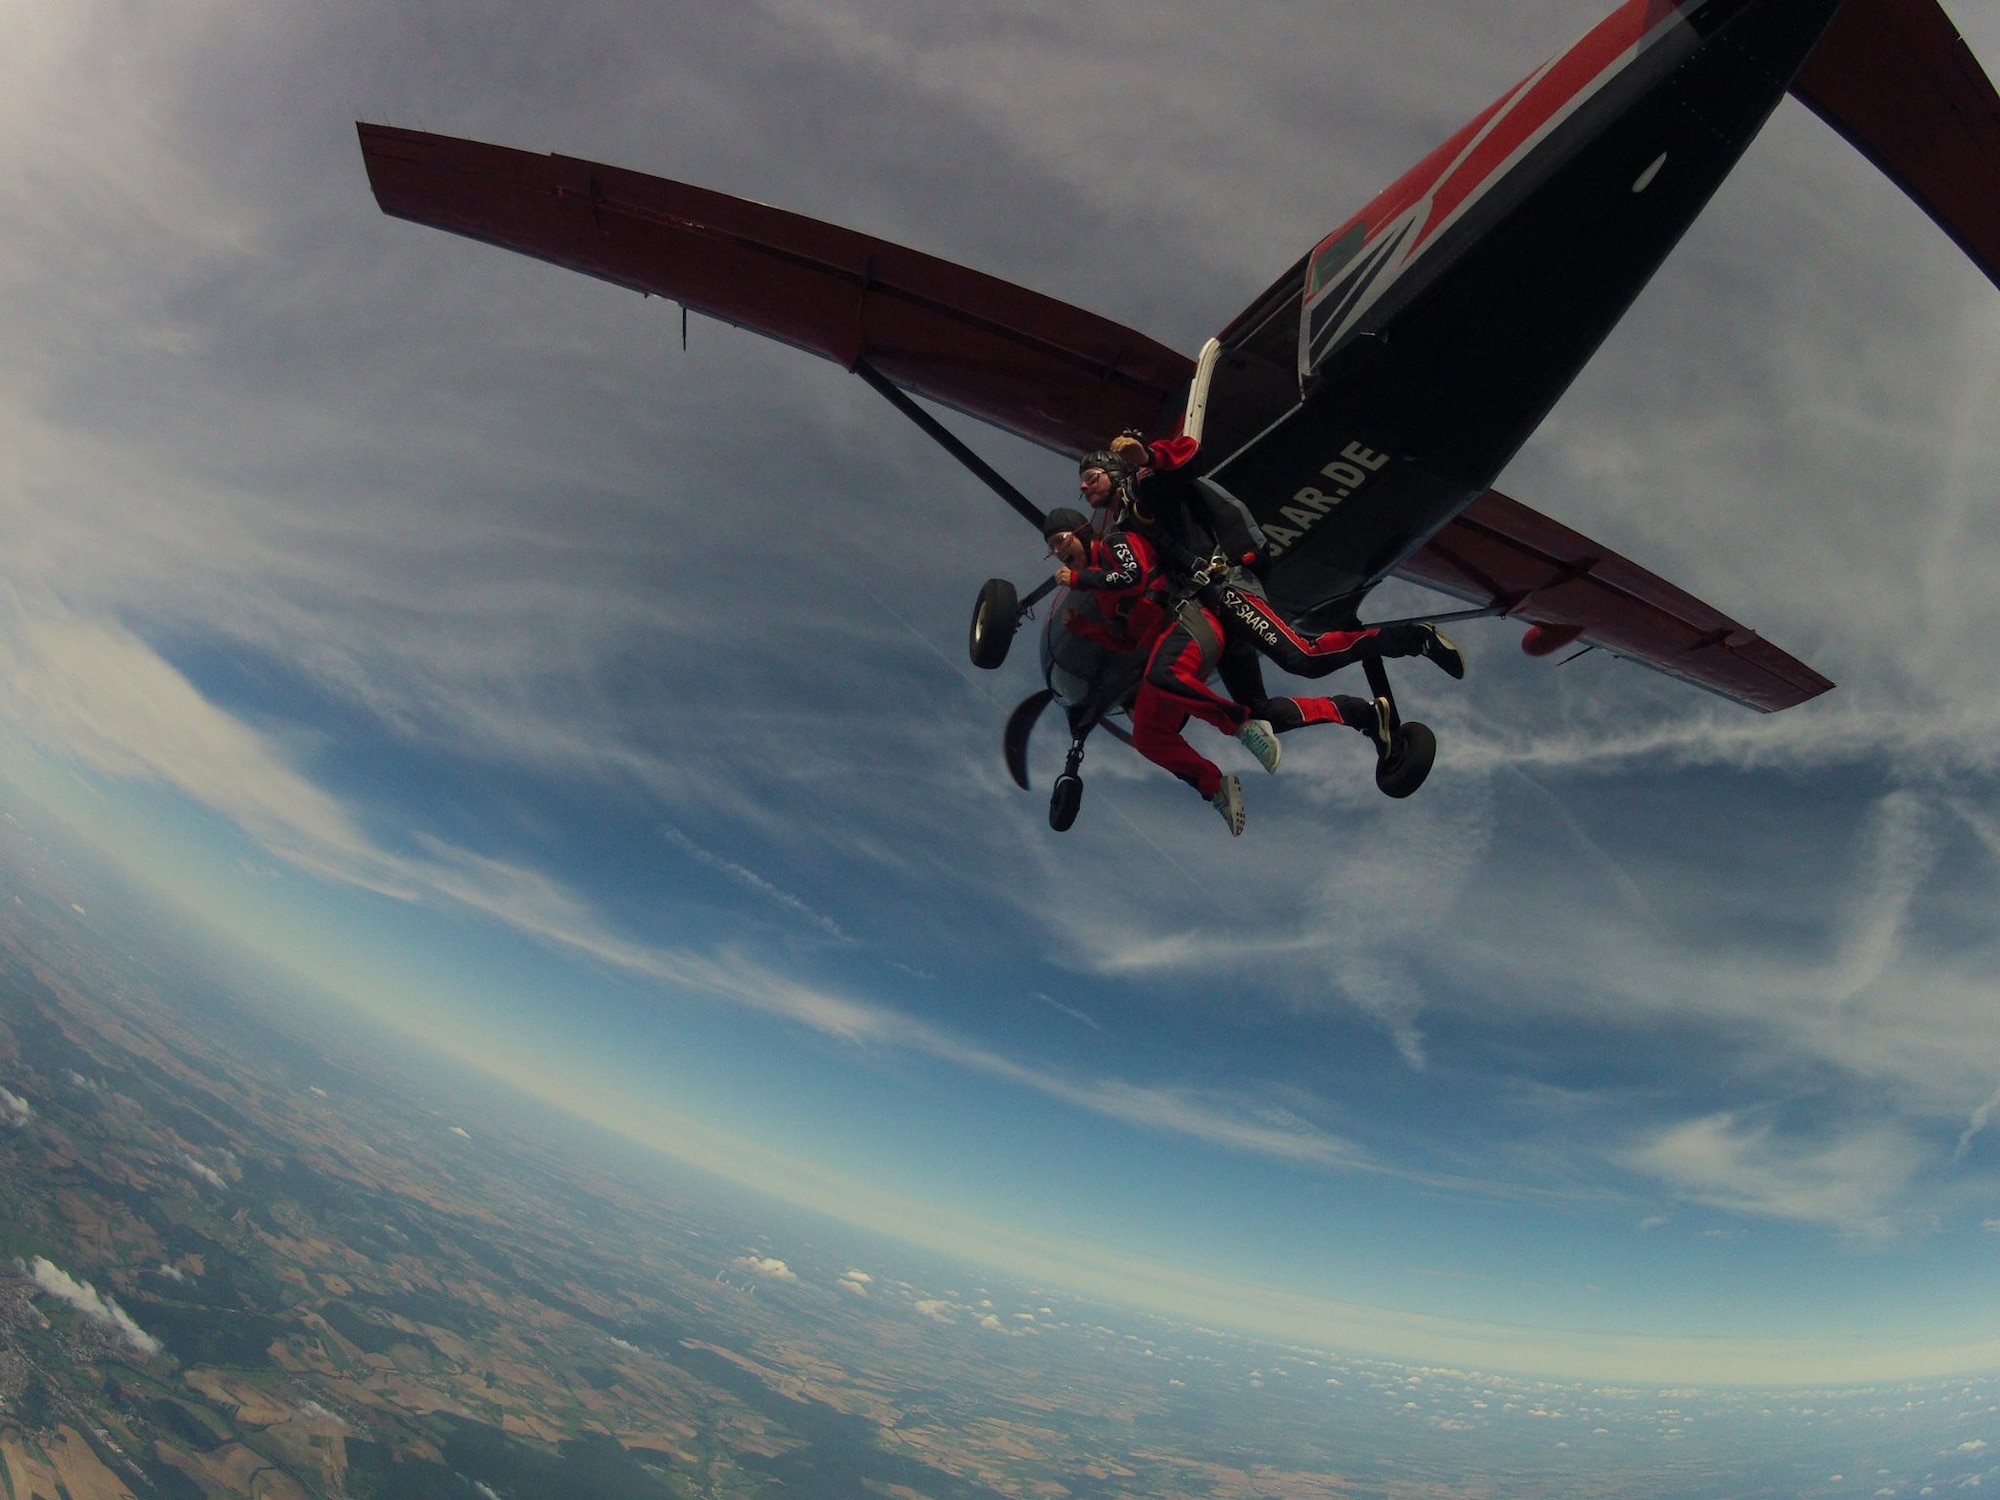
(1898, 81)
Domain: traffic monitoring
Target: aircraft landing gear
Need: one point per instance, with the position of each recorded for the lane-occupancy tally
(1066, 798)
(1401, 767)
(996, 615)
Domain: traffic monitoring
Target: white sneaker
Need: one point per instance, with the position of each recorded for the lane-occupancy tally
(1261, 740)
(1228, 800)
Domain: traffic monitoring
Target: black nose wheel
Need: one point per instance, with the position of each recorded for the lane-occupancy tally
(1412, 751)
(1065, 801)
(1067, 796)
(1401, 767)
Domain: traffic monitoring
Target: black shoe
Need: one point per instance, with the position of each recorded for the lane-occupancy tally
(1438, 648)
(1384, 728)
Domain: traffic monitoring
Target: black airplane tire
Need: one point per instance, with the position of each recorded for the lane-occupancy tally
(1064, 801)
(1403, 770)
(996, 615)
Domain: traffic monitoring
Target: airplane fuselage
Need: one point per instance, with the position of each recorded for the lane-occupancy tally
(1385, 382)
(1382, 385)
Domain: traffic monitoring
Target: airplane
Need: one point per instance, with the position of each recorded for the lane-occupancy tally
(1362, 407)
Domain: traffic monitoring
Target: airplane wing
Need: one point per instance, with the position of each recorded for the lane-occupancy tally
(1052, 373)
(1498, 552)
(1896, 79)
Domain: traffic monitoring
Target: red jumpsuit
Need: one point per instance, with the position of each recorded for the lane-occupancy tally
(1124, 594)
(1126, 589)
(1173, 691)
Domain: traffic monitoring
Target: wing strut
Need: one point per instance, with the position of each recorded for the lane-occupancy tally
(945, 439)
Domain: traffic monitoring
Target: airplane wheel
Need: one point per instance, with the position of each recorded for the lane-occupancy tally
(1064, 802)
(996, 615)
(1403, 770)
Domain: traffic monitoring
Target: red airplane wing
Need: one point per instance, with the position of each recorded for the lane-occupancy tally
(1898, 81)
(1052, 373)
(1499, 552)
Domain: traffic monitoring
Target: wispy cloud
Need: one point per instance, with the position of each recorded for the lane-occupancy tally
(1850, 1182)
(1385, 989)
(1981, 1118)
(99, 693)
(1216, 1118)
(1946, 738)
(752, 881)
(1898, 856)
(1839, 968)
(1069, 1010)
(104, 696)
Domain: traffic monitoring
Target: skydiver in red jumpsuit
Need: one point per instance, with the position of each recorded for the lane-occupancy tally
(1127, 610)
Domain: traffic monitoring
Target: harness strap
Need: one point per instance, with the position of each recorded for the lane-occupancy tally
(1195, 621)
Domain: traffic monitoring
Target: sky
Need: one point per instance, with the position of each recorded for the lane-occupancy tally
(424, 621)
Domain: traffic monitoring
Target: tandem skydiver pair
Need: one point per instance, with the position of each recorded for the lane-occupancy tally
(1165, 569)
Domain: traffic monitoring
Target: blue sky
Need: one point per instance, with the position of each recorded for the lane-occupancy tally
(424, 619)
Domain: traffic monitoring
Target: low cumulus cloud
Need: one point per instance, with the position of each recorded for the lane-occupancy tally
(204, 1171)
(85, 1299)
(855, 1282)
(14, 1110)
(767, 1266)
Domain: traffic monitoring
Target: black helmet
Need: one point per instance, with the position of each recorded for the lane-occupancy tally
(1062, 519)
(1106, 460)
